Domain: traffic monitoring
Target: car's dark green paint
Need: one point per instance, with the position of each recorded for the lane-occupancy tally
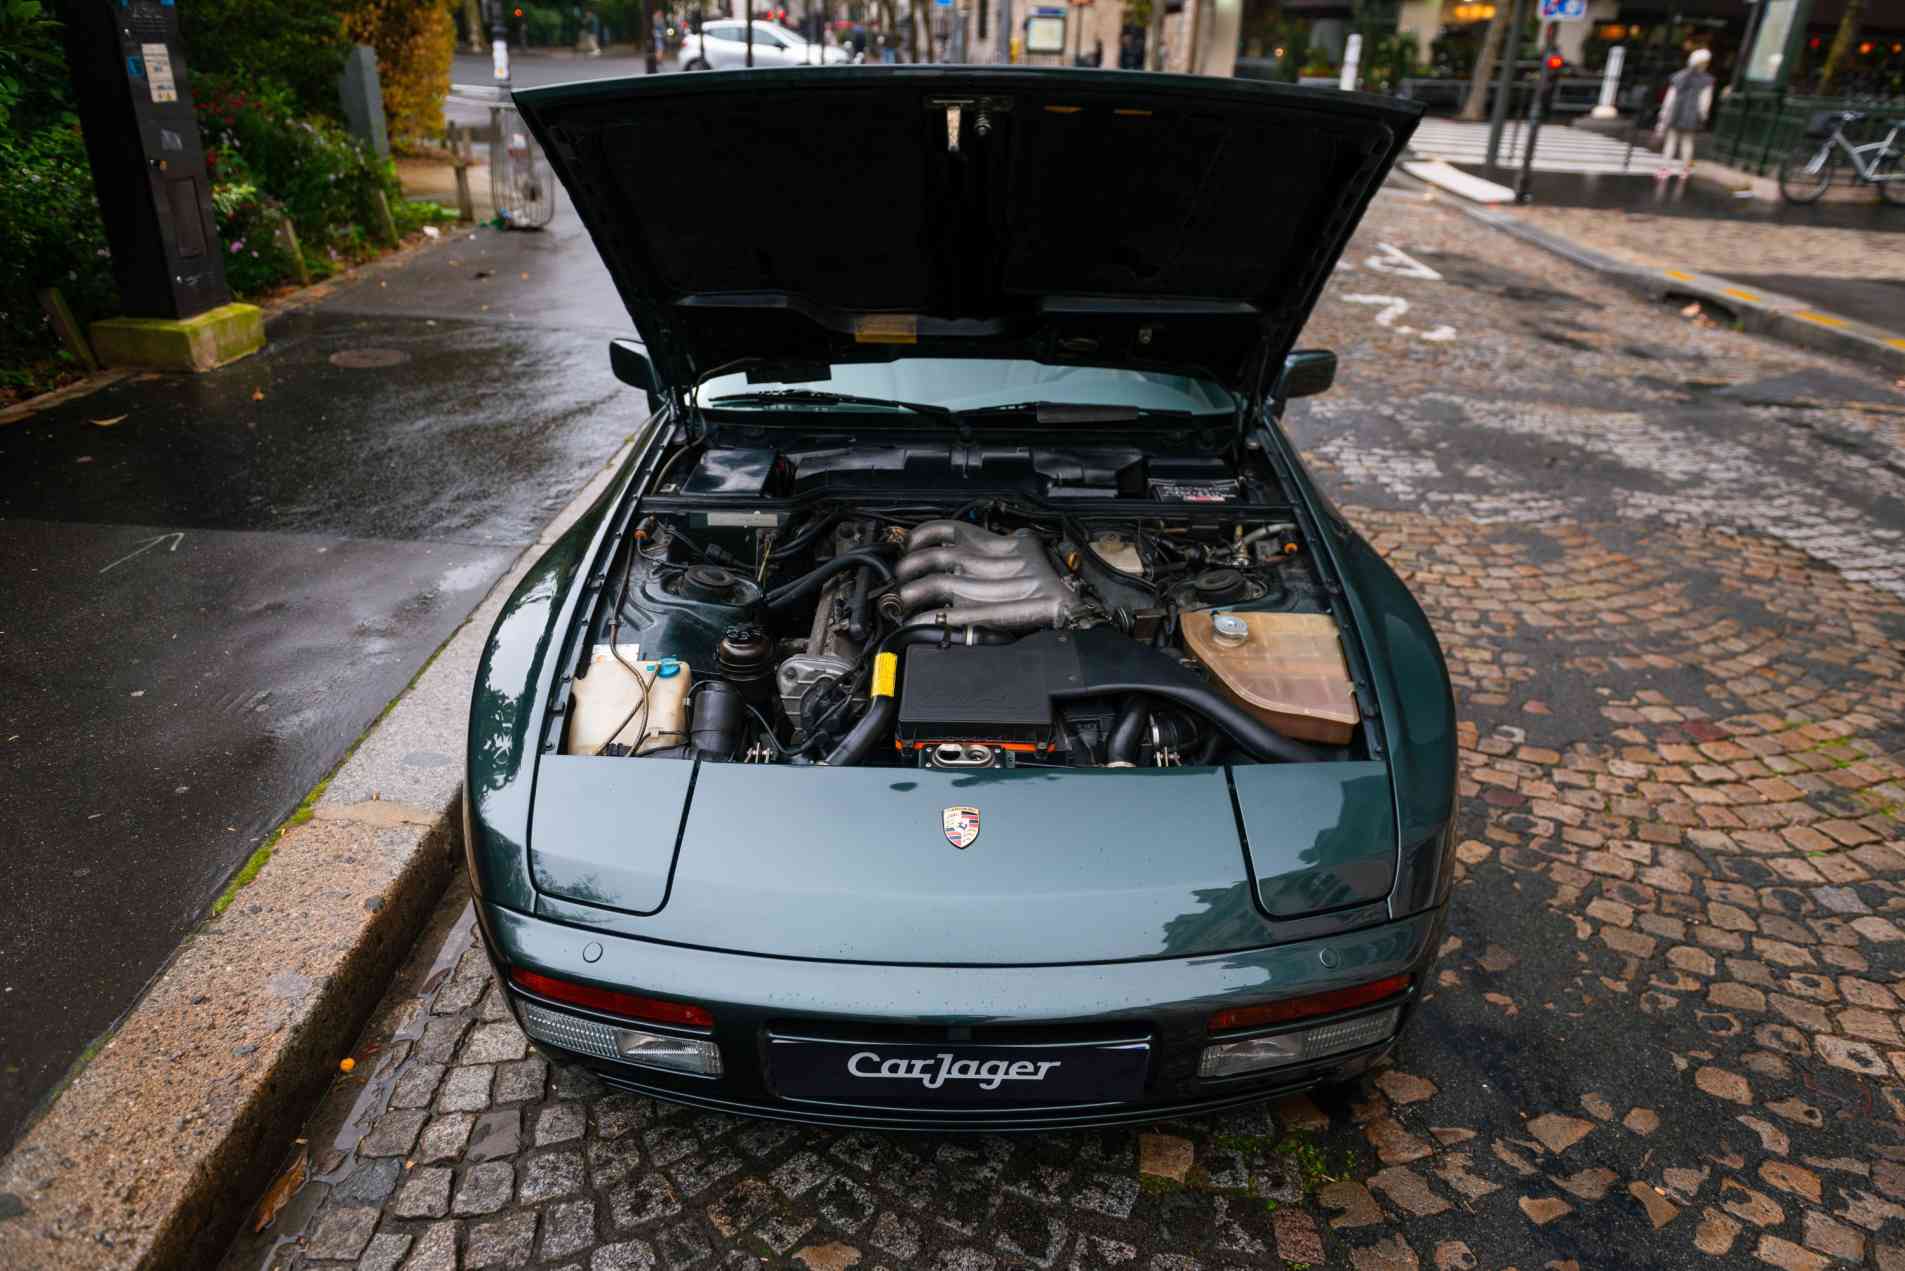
(746, 994)
(603, 834)
(1321, 836)
(1092, 899)
(1406, 672)
(514, 681)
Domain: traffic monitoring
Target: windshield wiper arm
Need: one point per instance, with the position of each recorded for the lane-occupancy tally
(1075, 412)
(820, 397)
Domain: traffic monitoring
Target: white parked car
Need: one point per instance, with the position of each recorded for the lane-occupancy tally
(722, 46)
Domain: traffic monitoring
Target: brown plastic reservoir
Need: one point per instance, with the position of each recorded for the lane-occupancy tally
(1287, 669)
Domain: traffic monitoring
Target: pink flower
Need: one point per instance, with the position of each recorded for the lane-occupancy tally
(238, 245)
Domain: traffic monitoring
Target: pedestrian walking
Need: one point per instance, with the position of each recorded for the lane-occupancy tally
(1684, 112)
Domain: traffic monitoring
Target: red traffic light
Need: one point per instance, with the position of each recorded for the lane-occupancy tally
(1556, 61)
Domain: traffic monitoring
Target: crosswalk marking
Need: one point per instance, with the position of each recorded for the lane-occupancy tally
(1559, 149)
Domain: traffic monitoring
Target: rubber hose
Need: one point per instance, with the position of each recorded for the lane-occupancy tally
(857, 610)
(805, 536)
(1212, 748)
(874, 724)
(1245, 729)
(809, 582)
(946, 637)
(1128, 734)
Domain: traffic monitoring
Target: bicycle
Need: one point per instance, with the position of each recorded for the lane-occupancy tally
(1813, 164)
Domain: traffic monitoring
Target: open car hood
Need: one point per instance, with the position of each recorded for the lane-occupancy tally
(1103, 218)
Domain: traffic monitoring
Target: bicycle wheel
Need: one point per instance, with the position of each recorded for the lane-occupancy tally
(1805, 174)
(1889, 177)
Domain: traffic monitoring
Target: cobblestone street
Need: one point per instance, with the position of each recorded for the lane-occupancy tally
(1667, 564)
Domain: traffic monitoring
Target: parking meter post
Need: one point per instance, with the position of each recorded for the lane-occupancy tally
(1536, 108)
(748, 26)
(1610, 83)
(1510, 54)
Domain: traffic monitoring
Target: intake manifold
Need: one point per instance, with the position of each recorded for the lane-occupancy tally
(959, 575)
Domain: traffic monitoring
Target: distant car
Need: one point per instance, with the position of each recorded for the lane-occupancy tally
(722, 46)
(963, 710)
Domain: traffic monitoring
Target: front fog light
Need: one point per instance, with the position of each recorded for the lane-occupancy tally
(678, 1054)
(630, 1045)
(1249, 1054)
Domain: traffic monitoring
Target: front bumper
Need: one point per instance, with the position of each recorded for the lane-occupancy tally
(1164, 1001)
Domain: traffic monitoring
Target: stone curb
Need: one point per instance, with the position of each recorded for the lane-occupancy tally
(1759, 311)
(155, 1152)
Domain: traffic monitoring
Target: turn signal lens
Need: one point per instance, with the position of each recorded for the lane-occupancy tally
(629, 1005)
(1300, 1045)
(1305, 1007)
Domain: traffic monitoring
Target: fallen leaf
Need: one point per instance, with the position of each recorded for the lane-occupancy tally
(257, 394)
(108, 423)
(282, 1190)
(1691, 311)
(431, 231)
(346, 1064)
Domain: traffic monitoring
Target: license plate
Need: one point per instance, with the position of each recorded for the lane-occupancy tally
(947, 1073)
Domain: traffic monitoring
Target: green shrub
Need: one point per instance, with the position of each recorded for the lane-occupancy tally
(323, 178)
(33, 89)
(291, 49)
(53, 238)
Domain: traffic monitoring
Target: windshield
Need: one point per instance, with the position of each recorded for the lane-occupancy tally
(961, 384)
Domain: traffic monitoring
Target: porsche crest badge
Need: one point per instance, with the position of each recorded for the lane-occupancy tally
(961, 825)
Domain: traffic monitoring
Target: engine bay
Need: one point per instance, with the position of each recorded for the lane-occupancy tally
(1169, 617)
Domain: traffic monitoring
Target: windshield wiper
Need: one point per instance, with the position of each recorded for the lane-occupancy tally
(1075, 412)
(820, 397)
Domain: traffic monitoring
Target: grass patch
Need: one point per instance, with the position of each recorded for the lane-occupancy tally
(256, 861)
(1311, 1162)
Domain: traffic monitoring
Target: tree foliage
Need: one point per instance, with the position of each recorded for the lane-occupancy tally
(288, 47)
(415, 41)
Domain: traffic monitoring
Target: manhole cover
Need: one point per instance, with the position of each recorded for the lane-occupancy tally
(368, 359)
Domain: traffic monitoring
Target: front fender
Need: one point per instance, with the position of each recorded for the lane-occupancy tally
(1410, 680)
(514, 678)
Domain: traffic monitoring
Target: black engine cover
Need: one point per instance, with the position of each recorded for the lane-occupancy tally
(986, 692)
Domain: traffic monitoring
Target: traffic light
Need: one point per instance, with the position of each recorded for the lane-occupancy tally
(1555, 62)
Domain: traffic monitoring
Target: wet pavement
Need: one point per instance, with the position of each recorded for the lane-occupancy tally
(1667, 564)
(216, 582)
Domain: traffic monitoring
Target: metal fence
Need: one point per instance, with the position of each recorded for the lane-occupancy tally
(1754, 131)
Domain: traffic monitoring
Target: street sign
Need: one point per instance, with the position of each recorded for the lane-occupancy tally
(1045, 35)
(1563, 10)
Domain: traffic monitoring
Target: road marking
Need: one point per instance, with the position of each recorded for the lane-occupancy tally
(1676, 275)
(1737, 294)
(1394, 307)
(1391, 259)
(177, 537)
(1897, 344)
(1823, 319)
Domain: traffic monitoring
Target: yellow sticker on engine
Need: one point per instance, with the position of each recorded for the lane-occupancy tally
(886, 328)
(886, 673)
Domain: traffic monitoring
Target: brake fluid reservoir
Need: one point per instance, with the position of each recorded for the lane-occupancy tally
(1287, 669)
(641, 705)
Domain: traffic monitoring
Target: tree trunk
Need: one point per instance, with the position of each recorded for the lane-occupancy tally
(1475, 105)
(473, 25)
(1842, 45)
(1155, 53)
